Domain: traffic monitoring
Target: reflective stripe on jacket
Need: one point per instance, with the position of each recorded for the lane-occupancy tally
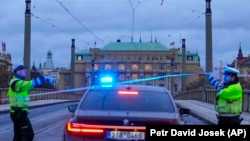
(229, 100)
(18, 94)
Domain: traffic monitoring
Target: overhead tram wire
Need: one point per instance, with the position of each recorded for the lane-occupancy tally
(194, 17)
(199, 13)
(79, 22)
(60, 29)
(185, 8)
(34, 6)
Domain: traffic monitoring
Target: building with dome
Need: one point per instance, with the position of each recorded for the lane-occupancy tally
(46, 69)
(129, 61)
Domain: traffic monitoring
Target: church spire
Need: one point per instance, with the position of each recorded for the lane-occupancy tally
(240, 54)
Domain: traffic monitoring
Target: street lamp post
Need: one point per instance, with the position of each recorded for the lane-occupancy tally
(172, 79)
(72, 74)
(208, 33)
(133, 19)
(184, 57)
(209, 48)
(27, 40)
(92, 72)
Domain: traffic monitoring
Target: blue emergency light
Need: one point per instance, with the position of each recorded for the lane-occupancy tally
(106, 81)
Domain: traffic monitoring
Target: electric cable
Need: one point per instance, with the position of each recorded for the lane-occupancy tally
(87, 29)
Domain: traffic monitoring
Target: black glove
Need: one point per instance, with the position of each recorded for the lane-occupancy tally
(38, 81)
(50, 80)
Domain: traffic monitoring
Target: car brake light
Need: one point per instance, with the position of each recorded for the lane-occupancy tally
(98, 128)
(128, 92)
(80, 128)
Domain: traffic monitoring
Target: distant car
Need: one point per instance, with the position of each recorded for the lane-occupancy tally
(121, 112)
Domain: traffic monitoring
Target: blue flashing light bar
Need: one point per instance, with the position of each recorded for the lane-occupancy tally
(106, 80)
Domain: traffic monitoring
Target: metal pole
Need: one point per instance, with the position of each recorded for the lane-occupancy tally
(27, 40)
(209, 48)
(183, 80)
(92, 73)
(172, 79)
(72, 74)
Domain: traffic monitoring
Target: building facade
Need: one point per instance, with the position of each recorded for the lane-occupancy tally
(5, 69)
(5, 62)
(242, 63)
(46, 69)
(130, 61)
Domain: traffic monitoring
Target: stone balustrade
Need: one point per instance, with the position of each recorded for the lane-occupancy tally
(209, 95)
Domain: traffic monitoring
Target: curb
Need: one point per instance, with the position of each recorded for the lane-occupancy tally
(196, 115)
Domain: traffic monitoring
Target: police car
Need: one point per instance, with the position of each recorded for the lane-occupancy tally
(120, 112)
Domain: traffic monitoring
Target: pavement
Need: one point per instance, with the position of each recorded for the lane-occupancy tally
(202, 110)
(4, 108)
(206, 111)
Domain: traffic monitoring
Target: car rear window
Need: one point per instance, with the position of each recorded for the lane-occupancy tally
(143, 101)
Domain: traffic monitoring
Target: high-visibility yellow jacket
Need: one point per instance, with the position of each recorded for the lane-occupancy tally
(229, 100)
(18, 93)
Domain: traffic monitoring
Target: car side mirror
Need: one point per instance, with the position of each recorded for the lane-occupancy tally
(184, 111)
(72, 108)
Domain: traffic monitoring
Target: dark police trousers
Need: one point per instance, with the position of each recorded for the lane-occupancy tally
(236, 120)
(23, 130)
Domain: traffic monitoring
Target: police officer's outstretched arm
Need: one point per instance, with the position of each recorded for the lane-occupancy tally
(39, 81)
(22, 85)
(27, 85)
(215, 83)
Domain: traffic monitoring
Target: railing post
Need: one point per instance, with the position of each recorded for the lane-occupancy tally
(204, 95)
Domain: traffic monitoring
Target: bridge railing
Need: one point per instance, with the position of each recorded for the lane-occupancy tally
(43, 94)
(209, 95)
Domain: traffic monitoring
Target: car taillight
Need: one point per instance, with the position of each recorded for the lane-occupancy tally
(81, 128)
(128, 92)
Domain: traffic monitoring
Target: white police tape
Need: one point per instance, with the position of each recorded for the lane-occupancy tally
(124, 82)
(244, 75)
(54, 92)
(131, 81)
(160, 77)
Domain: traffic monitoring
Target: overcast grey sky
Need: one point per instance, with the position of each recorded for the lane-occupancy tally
(55, 22)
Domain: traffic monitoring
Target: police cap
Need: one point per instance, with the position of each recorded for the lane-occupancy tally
(230, 70)
(18, 67)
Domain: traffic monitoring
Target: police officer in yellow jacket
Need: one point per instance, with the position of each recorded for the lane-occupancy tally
(18, 94)
(229, 97)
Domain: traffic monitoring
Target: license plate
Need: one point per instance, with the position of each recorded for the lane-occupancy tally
(125, 135)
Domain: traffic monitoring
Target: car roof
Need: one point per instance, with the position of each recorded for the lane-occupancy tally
(138, 87)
